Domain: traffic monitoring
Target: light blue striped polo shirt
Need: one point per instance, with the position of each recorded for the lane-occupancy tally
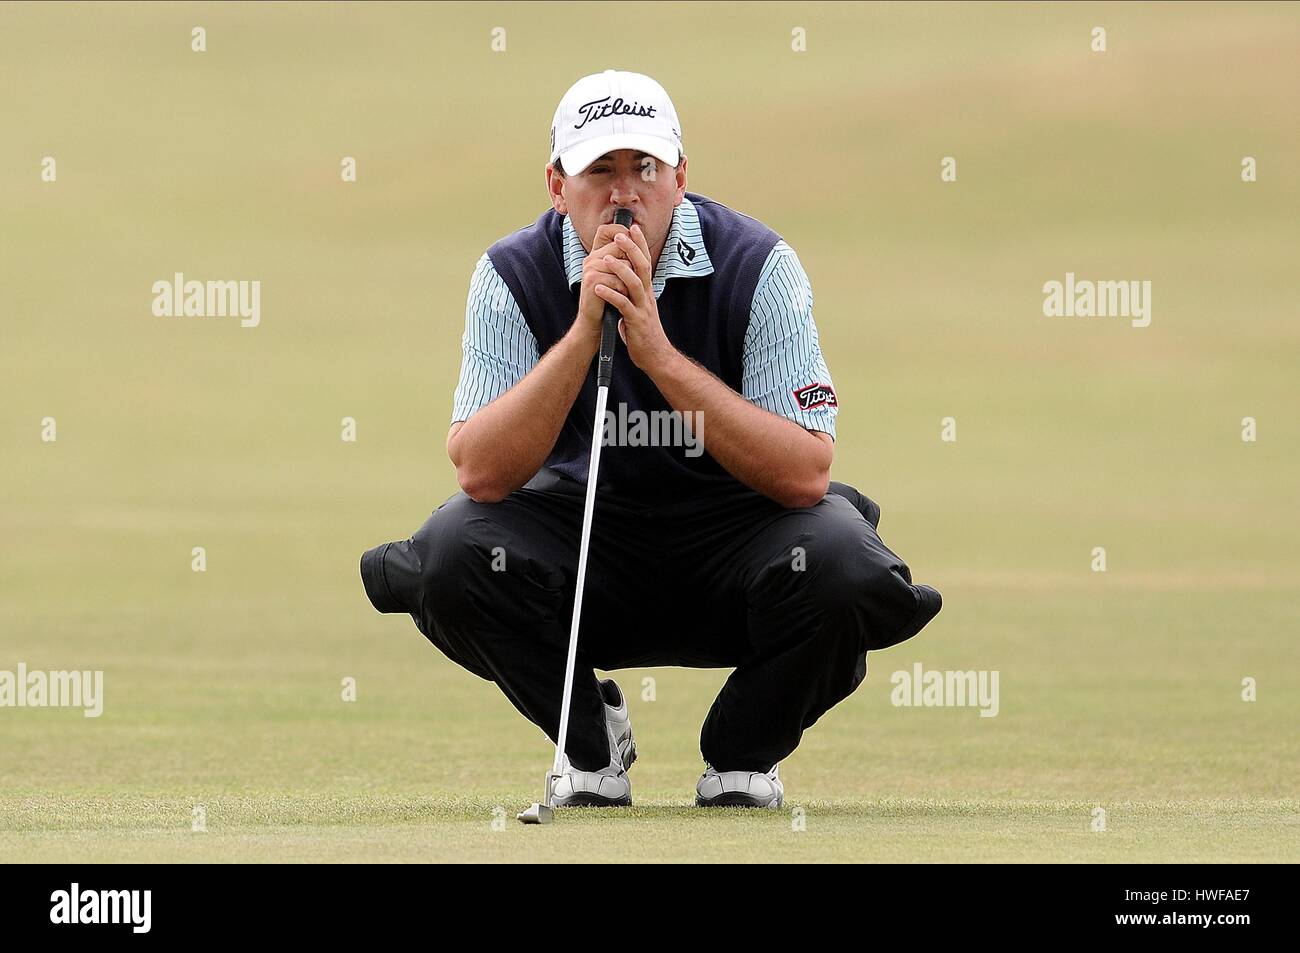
(781, 353)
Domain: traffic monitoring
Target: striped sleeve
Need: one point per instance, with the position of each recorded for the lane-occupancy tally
(498, 347)
(784, 371)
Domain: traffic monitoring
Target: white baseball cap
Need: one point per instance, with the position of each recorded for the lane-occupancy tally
(614, 110)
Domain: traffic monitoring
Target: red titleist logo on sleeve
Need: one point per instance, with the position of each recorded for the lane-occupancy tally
(815, 395)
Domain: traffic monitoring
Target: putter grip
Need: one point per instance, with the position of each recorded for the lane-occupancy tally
(609, 323)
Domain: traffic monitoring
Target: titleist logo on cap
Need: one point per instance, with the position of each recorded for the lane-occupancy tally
(595, 110)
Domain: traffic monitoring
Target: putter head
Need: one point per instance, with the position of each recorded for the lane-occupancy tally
(537, 814)
(541, 812)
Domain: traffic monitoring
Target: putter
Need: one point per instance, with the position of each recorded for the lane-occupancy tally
(543, 811)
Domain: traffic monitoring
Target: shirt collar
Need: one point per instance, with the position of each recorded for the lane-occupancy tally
(684, 254)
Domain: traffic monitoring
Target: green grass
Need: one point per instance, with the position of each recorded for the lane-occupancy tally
(1119, 690)
(426, 828)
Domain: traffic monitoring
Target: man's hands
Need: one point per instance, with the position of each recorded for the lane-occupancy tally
(596, 271)
(770, 454)
(618, 272)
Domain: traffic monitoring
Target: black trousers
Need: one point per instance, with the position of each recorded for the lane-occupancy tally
(791, 598)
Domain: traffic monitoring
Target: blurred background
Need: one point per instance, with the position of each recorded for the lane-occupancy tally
(223, 687)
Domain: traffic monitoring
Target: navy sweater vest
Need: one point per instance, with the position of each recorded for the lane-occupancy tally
(704, 317)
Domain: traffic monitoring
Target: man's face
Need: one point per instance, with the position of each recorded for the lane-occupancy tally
(634, 180)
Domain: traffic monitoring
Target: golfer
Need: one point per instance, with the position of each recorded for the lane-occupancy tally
(718, 539)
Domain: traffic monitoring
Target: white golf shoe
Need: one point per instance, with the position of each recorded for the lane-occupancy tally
(739, 789)
(617, 718)
(608, 787)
